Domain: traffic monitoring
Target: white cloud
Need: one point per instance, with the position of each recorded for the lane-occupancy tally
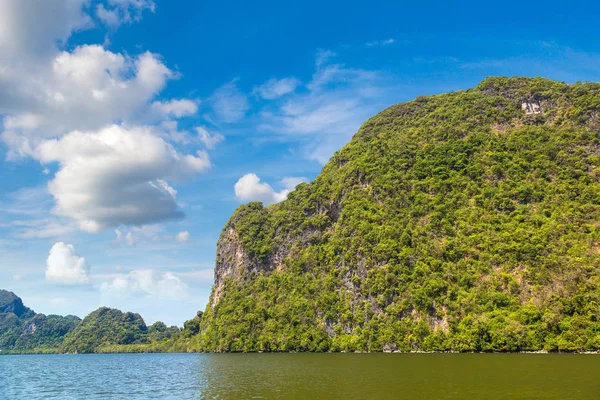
(138, 234)
(323, 57)
(47, 92)
(210, 141)
(250, 188)
(274, 88)
(30, 28)
(175, 108)
(65, 267)
(182, 236)
(124, 238)
(381, 43)
(129, 239)
(229, 103)
(108, 16)
(119, 238)
(62, 106)
(146, 282)
(337, 101)
(117, 12)
(117, 176)
(84, 89)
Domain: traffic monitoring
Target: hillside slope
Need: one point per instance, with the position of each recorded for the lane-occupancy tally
(103, 330)
(105, 326)
(22, 330)
(467, 221)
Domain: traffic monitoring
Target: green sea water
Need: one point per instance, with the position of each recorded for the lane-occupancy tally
(301, 376)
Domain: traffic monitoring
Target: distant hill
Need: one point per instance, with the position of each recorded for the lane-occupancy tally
(24, 331)
(21, 329)
(11, 303)
(467, 221)
(106, 326)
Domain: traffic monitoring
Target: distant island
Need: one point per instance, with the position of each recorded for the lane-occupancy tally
(105, 330)
(468, 222)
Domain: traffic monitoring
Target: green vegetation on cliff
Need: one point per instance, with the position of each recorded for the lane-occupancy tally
(105, 326)
(11, 303)
(467, 221)
(104, 330)
(23, 330)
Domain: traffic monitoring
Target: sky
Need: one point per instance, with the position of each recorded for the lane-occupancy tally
(130, 130)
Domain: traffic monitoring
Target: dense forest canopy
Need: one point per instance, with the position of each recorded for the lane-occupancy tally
(104, 330)
(465, 221)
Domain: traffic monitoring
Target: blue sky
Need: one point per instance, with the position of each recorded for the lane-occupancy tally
(131, 129)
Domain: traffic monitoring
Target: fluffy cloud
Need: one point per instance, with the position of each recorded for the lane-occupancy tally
(274, 88)
(65, 267)
(147, 283)
(210, 141)
(117, 176)
(229, 103)
(47, 92)
(85, 89)
(250, 188)
(109, 174)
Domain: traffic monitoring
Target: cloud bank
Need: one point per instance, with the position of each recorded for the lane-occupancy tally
(146, 282)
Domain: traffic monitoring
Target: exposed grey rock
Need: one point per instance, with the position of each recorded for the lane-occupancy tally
(531, 107)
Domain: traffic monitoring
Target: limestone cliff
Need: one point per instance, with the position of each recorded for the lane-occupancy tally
(463, 221)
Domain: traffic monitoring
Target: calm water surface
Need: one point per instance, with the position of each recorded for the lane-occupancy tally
(300, 376)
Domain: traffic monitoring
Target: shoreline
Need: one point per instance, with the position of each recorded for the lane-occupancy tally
(309, 352)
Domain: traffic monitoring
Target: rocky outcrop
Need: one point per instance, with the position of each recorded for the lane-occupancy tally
(531, 107)
(232, 262)
(239, 258)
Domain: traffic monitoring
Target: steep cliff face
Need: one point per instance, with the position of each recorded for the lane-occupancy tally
(250, 246)
(463, 221)
(232, 262)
